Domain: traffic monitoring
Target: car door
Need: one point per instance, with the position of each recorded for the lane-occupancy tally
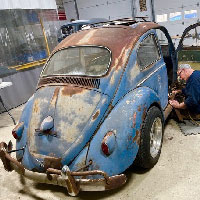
(189, 46)
(152, 67)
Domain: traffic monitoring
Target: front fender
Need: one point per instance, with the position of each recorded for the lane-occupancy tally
(125, 121)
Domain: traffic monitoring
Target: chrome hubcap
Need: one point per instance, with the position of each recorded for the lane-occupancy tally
(155, 137)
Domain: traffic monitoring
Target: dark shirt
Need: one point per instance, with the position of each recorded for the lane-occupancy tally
(192, 93)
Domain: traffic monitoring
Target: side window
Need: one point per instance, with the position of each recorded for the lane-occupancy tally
(147, 52)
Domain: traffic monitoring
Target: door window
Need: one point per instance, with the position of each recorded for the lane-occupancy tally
(148, 52)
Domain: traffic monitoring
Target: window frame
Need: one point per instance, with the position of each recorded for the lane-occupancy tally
(157, 46)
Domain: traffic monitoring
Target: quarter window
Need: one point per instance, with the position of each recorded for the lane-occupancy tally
(147, 52)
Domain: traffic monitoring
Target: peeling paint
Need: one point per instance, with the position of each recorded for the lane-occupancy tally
(134, 72)
(87, 37)
(55, 96)
(35, 106)
(96, 115)
(112, 80)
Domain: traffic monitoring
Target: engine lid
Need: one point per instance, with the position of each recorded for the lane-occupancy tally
(63, 120)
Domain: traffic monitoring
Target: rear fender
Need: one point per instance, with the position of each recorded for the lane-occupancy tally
(27, 160)
(125, 121)
(25, 117)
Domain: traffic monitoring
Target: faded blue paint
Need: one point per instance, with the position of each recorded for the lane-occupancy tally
(31, 163)
(125, 127)
(129, 91)
(57, 146)
(79, 161)
(158, 81)
(88, 131)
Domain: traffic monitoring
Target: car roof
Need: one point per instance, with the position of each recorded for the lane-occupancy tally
(116, 35)
(119, 39)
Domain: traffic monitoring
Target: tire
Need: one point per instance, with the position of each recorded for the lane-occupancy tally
(151, 139)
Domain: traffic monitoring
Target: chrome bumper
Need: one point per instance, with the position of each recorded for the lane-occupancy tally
(64, 177)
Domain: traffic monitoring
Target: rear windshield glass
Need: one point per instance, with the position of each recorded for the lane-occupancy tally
(82, 60)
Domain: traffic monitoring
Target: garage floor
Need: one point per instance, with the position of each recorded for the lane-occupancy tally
(176, 176)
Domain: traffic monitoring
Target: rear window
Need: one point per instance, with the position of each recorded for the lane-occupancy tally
(82, 60)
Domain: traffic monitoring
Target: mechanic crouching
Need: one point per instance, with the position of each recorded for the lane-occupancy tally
(191, 90)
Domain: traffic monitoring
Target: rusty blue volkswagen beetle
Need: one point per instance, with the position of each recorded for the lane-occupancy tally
(100, 105)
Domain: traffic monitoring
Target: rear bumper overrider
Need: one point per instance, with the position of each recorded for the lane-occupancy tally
(64, 177)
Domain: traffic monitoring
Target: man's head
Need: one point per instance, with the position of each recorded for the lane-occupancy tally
(184, 71)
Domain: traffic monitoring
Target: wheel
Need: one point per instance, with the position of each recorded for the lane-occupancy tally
(151, 139)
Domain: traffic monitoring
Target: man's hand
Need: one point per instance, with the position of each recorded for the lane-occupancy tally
(176, 91)
(176, 104)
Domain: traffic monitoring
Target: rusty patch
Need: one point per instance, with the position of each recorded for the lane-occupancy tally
(69, 189)
(116, 181)
(6, 162)
(137, 137)
(139, 108)
(55, 96)
(70, 91)
(134, 119)
(51, 162)
(95, 115)
(144, 113)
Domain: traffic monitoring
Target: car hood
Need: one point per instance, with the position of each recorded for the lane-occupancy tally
(74, 114)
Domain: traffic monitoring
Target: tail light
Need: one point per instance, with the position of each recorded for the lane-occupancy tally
(105, 148)
(18, 130)
(108, 143)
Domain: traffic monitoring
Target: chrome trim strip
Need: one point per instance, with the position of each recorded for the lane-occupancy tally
(148, 76)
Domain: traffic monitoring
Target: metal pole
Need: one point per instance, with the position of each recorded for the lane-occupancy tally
(153, 11)
(45, 37)
(76, 7)
(133, 8)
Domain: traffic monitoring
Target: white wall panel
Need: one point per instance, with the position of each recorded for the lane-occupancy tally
(110, 9)
(27, 4)
(94, 12)
(70, 9)
(91, 3)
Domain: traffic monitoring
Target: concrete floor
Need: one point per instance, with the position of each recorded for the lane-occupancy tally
(176, 176)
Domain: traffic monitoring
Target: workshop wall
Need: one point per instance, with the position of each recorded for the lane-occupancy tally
(177, 15)
(28, 33)
(109, 9)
